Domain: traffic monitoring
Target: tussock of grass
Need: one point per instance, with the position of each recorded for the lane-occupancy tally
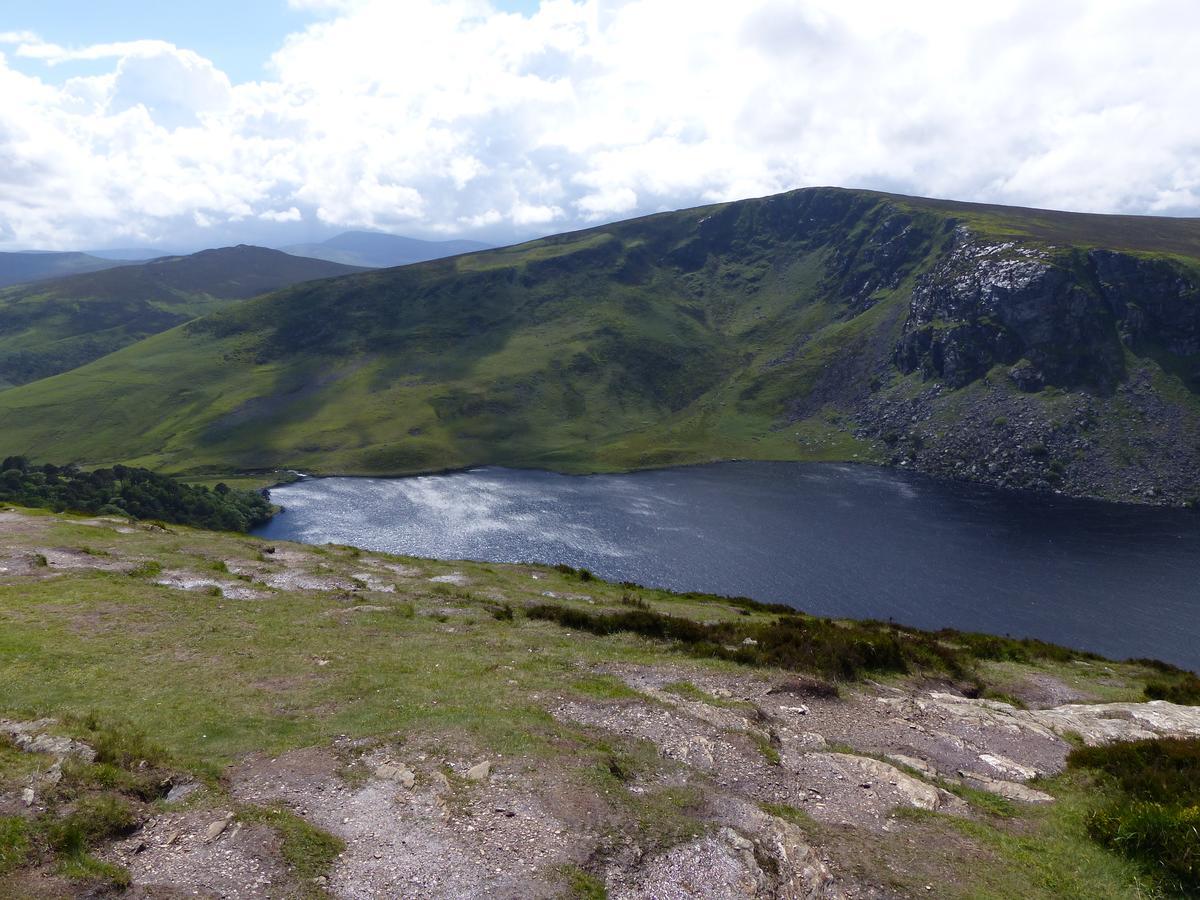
(91, 820)
(121, 745)
(87, 868)
(584, 885)
(15, 843)
(1164, 837)
(91, 804)
(604, 687)
(309, 851)
(768, 750)
(147, 569)
(791, 814)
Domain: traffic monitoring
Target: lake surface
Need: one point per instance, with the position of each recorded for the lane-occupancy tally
(837, 540)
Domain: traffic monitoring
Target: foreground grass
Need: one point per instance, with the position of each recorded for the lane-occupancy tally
(200, 680)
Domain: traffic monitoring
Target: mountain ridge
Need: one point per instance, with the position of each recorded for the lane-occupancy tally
(57, 324)
(1018, 349)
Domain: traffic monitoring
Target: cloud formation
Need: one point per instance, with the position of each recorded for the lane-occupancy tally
(451, 117)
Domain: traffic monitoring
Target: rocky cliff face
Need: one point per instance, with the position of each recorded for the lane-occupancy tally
(1049, 368)
(987, 304)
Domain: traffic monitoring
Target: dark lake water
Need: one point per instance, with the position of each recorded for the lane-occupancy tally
(838, 540)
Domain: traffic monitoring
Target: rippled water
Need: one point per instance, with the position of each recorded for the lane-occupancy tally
(829, 539)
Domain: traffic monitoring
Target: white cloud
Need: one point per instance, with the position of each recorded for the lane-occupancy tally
(448, 116)
(281, 215)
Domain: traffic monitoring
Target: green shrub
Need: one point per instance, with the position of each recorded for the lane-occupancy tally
(1164, 838)
(1156, 818)
(1160, 770)
(137, 493)
(790, 642)
(1185, 690)
(629, 599)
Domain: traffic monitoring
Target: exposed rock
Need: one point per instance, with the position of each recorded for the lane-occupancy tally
(1007, 789)
(480, 771)
(31, 737)
(180, 792)
(403, 774)
(866, 771)
(917, 765)
(705, 867)
(1008, 767)
(217, 828)
(1098, 723)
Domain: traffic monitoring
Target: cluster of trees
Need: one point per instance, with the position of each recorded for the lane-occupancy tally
(124, 491)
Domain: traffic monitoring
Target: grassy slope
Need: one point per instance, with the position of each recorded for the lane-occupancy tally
(718, 332)
(212, 680)
(57, 325)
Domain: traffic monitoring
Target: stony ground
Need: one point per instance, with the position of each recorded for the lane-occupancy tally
(653, 776)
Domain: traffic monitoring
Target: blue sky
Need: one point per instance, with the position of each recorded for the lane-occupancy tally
(162, 124)
(238, 36)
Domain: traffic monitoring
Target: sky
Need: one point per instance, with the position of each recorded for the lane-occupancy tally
(183, 125)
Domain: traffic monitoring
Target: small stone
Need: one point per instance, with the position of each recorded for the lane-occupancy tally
(735, 840)
(480, 772)
(215, 830)
(27, 796)
(180, 792)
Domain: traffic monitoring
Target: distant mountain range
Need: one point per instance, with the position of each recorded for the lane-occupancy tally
(53, 325)
(133, 254)
(16, 268)
(362, 249)
(381, 251)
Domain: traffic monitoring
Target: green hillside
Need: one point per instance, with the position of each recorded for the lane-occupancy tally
(51, 326)
(819, 324)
